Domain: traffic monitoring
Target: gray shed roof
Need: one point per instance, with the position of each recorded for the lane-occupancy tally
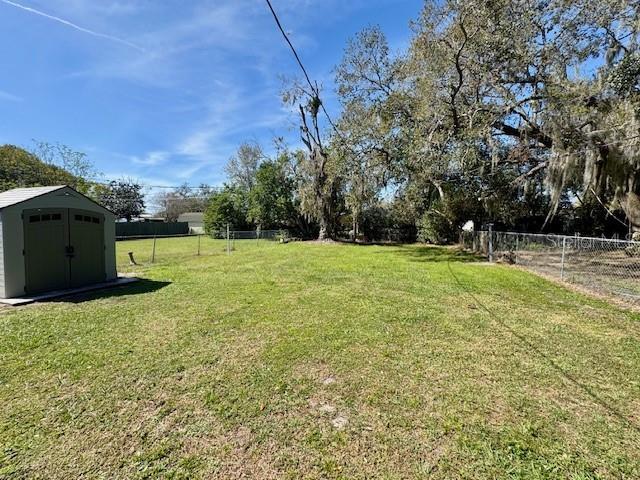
(19, 195)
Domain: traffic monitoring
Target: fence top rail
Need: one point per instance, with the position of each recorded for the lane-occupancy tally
(146, 237)
(572, 237)
(252, 231)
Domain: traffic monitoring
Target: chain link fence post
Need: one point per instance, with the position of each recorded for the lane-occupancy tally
(153, 252)
(490, 243)
(564, 250)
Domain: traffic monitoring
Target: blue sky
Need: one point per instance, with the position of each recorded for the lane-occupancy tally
(164, 91)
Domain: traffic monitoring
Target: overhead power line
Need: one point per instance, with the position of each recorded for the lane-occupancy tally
(314, 88)
(295, 53)
(102, 181)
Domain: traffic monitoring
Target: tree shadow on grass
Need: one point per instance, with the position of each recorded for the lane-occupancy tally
(437, 254)
(424, 253)
(140, 287)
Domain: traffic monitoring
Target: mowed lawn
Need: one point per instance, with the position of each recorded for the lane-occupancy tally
(320, 361)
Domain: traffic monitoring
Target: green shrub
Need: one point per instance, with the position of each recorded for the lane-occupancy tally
(435, 227)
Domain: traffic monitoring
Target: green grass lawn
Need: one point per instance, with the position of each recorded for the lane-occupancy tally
(320, 361)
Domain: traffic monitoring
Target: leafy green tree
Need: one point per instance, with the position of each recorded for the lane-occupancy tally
(363, 168)
(271, 200)
(495, 90)
(514, 75)
(20, 168)
(243, 166)
(70, 160)
(124, 198)
(227, 207)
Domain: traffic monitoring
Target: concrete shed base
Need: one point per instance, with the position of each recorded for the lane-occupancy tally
(16, 302)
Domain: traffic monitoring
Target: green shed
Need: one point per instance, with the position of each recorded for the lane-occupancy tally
(53, 238)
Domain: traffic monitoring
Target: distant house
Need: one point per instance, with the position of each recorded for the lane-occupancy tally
(145, 217)
(195, 221)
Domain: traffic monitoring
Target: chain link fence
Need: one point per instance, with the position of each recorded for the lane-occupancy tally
(605, 266)
(134, 252)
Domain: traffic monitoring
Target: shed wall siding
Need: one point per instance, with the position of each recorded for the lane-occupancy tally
(110, 246)
(13, 258)
(14, 235)
(1, 260)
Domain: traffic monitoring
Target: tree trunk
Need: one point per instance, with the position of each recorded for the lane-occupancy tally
(356, 230)
(630, 203)
(324, 206)
(324, 231)
(438, 186)
(354, 226)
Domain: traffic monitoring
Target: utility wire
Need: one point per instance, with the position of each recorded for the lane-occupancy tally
(607, 208)
(101, 181)
(314, 88)
(295, 53)
(544, 356)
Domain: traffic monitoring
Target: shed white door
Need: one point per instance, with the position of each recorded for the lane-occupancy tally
(63, 248)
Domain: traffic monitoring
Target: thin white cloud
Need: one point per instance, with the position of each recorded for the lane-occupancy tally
(225, 29)
(198, 143)
(9, 97)
(73, 25)
(222, 58)
(152, 158)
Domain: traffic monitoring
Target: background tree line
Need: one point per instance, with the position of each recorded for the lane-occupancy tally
(48, 164)
(521, 113)
(261, 192)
